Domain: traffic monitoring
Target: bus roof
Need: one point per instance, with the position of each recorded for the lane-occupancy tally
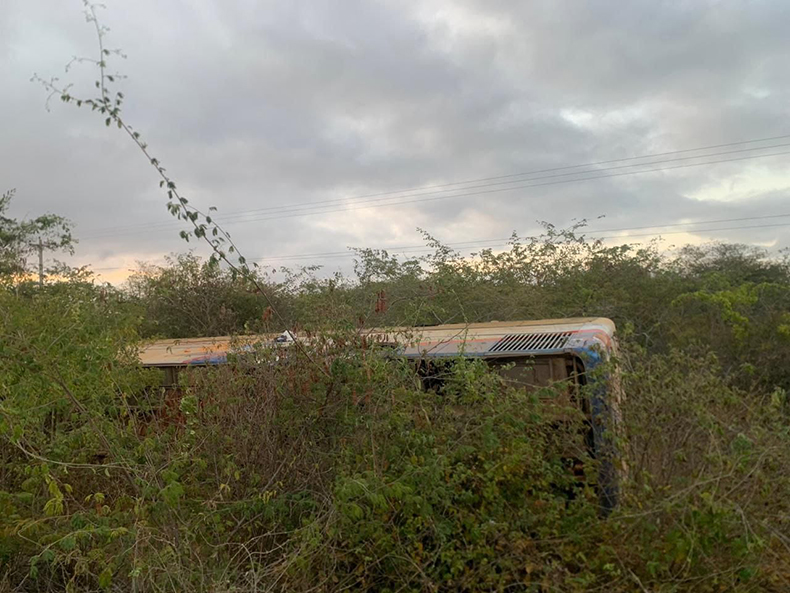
(492, 339)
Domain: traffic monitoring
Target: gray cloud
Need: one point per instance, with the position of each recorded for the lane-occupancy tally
(252, 105)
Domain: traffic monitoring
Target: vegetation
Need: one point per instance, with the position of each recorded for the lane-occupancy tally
(19, 240)
(329, 468)
(344, 474)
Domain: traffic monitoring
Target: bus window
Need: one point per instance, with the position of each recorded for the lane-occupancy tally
(545, 371)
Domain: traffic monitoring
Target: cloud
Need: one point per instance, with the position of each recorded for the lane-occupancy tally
(254, 105)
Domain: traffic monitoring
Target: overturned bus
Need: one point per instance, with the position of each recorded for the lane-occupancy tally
(531, 354)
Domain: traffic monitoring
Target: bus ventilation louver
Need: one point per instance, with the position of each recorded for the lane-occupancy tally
(531, 342)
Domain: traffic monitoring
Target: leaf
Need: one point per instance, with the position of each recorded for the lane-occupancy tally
(68, 543)
(53, 507)
(172, 493)
(105, 578)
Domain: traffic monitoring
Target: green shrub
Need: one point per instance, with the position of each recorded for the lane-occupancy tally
(332, 469)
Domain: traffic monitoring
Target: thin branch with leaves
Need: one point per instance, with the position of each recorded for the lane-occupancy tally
(203, 225)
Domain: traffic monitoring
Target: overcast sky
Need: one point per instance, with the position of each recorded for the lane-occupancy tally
(255, 105)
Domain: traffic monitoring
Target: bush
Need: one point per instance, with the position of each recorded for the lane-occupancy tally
(332, 469)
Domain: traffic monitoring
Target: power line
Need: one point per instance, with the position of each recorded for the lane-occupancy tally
(416, 249)
(418, 198)
(299, 208)
(499, 190)
(504, 242)
(394, 200)
(661, 226)
(453, 185)
(310, 206)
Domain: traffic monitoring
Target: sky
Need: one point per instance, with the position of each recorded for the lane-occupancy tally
(318, 126)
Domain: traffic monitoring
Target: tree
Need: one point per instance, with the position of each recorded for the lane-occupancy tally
(21, 240)
(190, 297)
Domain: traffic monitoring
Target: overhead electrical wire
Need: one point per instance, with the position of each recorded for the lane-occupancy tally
(290, 212)
(416, 249)
(398, 199)
(504, 242)
(361, 199)
(498, 177)
(461, 189)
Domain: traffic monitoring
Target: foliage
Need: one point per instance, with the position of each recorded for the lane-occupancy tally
(329, 467)
(277, 473)
(67, 366)
(731, 299)
(21, 239)
(202, 226)
(189, 298)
